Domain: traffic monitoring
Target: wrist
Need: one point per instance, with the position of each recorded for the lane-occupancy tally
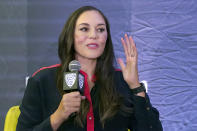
(139, 90)
(142, 94)
(133, 86)
(56, 120)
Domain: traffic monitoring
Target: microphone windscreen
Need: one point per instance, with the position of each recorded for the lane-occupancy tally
(74, 66)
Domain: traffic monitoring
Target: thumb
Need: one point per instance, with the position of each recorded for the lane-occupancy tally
(83, 97)
(121, 63)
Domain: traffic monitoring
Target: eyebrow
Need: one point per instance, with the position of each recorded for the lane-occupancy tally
(88, 24)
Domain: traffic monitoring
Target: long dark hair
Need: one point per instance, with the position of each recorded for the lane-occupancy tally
(109, 101)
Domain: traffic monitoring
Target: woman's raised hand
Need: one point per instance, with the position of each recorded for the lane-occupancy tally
(130, 70)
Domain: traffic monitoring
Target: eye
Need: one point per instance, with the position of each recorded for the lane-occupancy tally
(101, 29)
(84, 29)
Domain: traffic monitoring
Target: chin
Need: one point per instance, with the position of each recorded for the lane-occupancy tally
(93, 56)
(89, 55)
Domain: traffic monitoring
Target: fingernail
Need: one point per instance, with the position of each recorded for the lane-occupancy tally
(83, 97)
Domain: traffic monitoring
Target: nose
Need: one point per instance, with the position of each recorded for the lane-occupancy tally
(93, 34)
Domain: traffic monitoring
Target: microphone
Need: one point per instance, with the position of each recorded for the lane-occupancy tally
(73, 80)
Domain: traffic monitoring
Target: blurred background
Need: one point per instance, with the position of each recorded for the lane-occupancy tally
(165, 32)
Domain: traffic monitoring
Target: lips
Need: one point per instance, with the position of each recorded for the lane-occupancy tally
(92, 45)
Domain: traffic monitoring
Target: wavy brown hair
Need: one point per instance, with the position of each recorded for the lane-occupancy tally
(109, 100)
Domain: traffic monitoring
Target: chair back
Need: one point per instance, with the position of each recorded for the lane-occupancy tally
(11, 119)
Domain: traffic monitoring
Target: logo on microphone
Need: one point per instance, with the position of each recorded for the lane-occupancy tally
(70, 79)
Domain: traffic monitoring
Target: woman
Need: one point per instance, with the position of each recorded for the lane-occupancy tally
(112, 100)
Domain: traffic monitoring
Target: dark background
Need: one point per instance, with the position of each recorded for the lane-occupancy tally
(165, 32)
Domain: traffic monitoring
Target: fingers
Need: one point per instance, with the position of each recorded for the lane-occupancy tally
(83, 97)
(121, 63)
(74, 94)
(129, 46)
(125, 47)
(73, 97)
(134, 49)
(75, 104)
(71, 102)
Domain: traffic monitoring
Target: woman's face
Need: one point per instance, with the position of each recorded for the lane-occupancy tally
(90, 35)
